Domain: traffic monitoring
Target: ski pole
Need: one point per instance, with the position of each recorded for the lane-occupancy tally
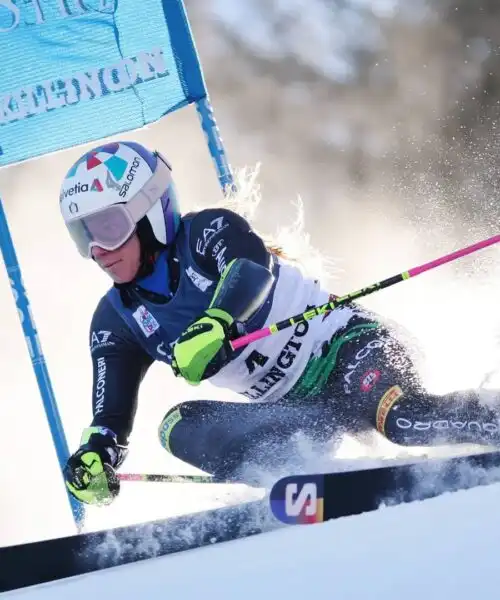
(163, 478)
(385, 283)
(168, 478)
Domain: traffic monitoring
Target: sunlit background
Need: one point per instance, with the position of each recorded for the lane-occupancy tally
(382, 116)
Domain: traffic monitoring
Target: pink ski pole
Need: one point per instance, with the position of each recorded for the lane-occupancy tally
(324, 308)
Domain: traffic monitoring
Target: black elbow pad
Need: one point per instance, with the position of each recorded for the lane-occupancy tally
(243, 288)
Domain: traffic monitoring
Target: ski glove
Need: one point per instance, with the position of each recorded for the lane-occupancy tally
(89, 473)
(203, 349)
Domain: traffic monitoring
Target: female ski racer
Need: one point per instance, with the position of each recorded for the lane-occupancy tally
(183, 287)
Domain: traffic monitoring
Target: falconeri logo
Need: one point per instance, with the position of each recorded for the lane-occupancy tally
(82, 86)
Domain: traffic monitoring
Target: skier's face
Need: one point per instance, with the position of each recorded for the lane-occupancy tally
(122, 264)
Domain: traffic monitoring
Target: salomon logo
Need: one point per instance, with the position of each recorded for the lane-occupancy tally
(130, 177)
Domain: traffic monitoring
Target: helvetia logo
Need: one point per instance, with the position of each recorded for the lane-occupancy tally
(78, 188)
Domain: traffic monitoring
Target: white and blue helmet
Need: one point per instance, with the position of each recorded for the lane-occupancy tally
(111, 190)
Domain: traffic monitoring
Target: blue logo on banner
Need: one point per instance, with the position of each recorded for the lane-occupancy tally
(75, 71)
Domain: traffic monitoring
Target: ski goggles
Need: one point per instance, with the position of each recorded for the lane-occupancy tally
(112, 226)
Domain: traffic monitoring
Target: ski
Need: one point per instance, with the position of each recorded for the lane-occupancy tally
(314, 498)
(44, 561)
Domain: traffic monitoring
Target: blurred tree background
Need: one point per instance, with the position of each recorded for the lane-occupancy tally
(359, 100)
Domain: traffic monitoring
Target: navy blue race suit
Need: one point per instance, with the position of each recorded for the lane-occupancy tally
(360, 375)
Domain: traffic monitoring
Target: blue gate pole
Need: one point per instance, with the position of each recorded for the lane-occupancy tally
(36, 355)
(215, 144)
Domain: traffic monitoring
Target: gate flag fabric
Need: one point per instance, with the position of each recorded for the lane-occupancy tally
(73, 71)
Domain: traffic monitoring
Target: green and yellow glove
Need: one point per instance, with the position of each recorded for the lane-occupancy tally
(89, 473)
(203, 349)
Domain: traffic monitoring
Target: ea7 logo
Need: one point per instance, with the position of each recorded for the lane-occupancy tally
(100, 339)
(216, 227)
(300, 502)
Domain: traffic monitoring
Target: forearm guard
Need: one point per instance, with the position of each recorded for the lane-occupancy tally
(243, 287)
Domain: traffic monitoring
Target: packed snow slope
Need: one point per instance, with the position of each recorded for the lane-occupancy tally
(445, 548)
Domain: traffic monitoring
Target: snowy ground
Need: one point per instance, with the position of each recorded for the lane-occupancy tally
(440, 549)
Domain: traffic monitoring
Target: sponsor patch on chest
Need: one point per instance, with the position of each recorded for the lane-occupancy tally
(201, 282)
(146, 321)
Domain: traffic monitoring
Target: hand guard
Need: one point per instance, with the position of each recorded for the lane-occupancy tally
(203, 349)
(89, 473)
